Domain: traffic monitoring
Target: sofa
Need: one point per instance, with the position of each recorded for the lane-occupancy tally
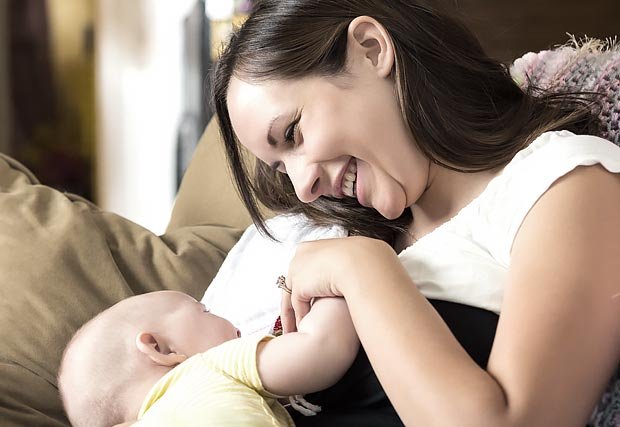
(63, 260)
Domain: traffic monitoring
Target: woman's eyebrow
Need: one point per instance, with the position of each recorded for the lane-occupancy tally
(270, 139)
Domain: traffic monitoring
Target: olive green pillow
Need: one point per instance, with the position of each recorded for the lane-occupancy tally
(62, 260)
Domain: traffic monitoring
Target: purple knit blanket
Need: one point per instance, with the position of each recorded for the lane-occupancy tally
(590, 65)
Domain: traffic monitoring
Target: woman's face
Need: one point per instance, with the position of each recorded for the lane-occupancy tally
(344, 139)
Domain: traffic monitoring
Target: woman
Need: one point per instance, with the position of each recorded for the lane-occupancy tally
(388, 118)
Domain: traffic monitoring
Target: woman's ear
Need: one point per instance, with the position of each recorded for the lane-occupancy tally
(157, 350)
(369, 41)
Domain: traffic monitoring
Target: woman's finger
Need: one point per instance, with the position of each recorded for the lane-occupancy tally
(287, 314)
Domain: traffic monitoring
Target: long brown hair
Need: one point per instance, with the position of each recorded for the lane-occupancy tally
(466, 112)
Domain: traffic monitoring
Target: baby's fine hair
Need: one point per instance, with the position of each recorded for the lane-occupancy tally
(104, 371)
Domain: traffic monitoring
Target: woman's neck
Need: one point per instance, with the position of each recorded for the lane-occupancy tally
(448, 192)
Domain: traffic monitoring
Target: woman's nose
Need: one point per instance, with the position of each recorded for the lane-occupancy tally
(306, 179)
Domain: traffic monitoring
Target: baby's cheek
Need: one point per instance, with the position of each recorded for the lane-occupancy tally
(215, 332)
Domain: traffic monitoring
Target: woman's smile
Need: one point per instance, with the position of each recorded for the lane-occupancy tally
(348, 181)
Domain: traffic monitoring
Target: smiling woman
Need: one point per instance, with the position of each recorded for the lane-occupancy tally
(335, 128)
(388, 118)
(346, 94)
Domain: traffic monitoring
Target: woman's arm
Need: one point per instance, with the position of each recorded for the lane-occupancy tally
(558, 338)
(313, 358)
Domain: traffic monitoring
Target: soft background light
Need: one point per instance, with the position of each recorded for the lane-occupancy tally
(220, 9)
(138, 92)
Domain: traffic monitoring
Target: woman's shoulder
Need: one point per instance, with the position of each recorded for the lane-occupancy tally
(531, 173)
(563, 146)
(549, 157)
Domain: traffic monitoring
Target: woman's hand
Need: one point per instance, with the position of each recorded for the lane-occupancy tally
(325, 268)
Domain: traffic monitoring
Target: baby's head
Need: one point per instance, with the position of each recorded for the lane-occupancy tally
(114, 359)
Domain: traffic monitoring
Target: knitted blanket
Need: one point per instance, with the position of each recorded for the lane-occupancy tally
(607, 412)
(589, 65)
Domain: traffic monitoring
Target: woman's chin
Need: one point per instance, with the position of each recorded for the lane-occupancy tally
(390, 213)
(391, 210)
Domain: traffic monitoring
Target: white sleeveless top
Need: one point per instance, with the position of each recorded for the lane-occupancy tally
(466, 259)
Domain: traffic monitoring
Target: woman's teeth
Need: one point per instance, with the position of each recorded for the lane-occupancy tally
(348, 182)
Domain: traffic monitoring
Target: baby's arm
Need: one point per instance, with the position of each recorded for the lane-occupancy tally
(313, 358)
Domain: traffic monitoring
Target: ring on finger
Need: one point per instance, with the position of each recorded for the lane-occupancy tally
(282, 285)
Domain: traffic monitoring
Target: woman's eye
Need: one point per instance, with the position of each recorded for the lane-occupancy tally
(291, 132)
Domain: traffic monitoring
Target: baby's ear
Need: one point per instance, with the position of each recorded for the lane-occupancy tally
(157, 350)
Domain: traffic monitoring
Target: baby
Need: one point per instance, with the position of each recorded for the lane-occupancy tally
(161, 359)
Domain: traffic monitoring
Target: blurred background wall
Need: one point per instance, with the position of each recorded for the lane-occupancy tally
(508, 29)
(105, 98)
(5, 97)
(51, 94)
(139, 94)
(72, 62)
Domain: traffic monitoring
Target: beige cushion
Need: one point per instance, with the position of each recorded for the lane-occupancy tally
(207, 192)
(62, 260)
